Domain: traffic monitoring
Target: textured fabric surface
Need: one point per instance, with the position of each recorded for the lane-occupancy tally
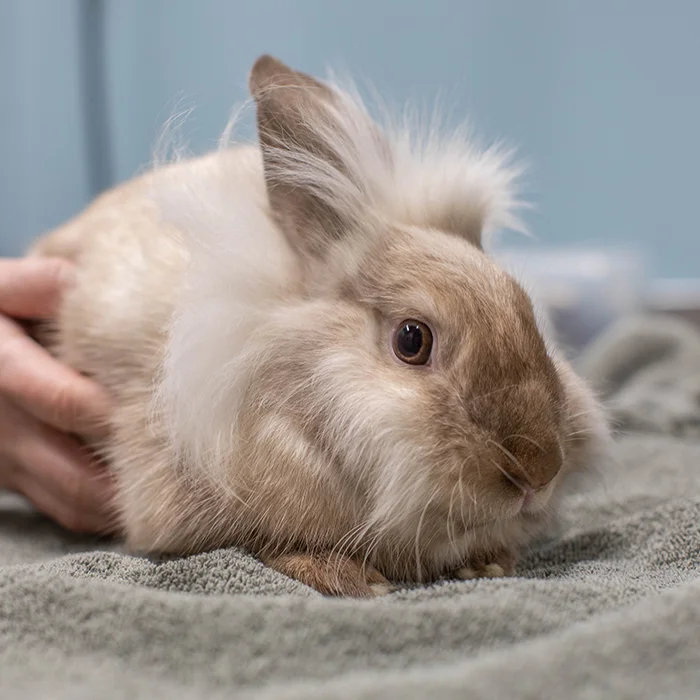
(607, 607)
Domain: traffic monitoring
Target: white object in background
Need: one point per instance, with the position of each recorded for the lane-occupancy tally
(675, 295)
(582, 290)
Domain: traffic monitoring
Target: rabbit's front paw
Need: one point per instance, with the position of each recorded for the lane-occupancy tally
(332, 574)
(497, 565)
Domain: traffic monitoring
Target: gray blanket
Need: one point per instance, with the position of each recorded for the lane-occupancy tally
(609, 607)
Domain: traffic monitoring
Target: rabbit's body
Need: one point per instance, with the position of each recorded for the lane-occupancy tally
(114, 325)
(244, 310)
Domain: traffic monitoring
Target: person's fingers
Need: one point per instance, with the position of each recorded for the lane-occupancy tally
(51, 505)
(8, 471)
(47, 389)
(59, 478)
(32, 287)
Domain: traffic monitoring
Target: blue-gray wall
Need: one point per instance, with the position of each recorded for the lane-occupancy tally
(43, 178)
(601, 96)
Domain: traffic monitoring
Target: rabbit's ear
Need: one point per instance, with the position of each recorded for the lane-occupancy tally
(304, 144)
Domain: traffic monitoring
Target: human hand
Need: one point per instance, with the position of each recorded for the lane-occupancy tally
(42, 402)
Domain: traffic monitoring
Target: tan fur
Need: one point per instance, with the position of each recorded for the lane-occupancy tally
(332, 574)
(240, 309)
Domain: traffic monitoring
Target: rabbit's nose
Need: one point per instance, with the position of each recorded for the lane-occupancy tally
(530, 464)
(540, 472)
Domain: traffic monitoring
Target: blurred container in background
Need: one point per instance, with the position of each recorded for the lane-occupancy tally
(582, 290)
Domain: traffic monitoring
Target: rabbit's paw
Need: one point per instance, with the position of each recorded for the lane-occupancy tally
(332, 574)
(496, 565)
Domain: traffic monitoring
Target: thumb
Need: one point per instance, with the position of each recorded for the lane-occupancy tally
(31, 288)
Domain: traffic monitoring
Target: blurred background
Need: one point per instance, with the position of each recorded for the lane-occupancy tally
(600, 97)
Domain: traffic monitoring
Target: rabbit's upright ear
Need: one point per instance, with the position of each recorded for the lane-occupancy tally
(305, 145)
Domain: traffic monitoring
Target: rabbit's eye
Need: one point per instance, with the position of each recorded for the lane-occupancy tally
(413, 342)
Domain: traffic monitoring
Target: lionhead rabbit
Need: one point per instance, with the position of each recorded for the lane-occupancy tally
(312, 357)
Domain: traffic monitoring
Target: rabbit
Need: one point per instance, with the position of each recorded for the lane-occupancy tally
(312, 357)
